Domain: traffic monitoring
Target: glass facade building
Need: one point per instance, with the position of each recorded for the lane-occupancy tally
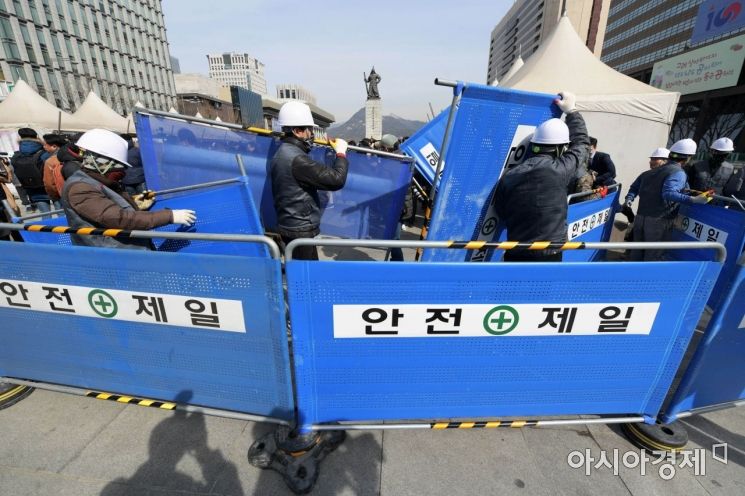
(66, 48)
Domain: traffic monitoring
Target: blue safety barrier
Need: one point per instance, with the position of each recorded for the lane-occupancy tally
(377, 342)
(369, 205)
(219, 209)
(715, 377)
(202, 329)
(425, 145)
(712, 223)
(489, 125)
(591, 220)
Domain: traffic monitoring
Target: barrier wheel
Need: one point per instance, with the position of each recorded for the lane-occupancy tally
(656, 437)
(10, 394)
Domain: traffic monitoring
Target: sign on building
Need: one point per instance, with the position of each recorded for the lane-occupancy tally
(708, 68)
(717, 17)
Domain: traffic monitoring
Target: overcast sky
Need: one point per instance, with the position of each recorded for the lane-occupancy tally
(326, 46)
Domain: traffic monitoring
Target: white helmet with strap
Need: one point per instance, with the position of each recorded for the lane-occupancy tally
(295, 114)
(105, 143)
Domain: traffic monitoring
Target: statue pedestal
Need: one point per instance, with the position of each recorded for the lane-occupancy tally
(373, 119)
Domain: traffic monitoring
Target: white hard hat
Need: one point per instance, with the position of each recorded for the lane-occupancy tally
(106, 144)
(684, 147)
(660, 153)
(389, 140)
(295, 114)
(723, 145)
(552, 132)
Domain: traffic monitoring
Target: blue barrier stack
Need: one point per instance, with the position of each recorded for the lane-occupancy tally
(433, 341)
(369, 205)
(202, 329)
(488, 125)
(425, 145)
(591, 220)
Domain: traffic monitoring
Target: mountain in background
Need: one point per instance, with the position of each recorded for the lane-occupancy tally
(354, 128)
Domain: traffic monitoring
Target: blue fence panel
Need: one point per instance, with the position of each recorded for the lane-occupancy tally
(716, 374)
(712, 223)
(425, 145)
(489, 125)
(179, 153)
(521, 349)
(591, 221)
(209, 329)
(220, 209)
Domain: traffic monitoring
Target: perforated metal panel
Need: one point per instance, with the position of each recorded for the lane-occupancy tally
(483, 129)
(489, 376)
(368, 206)
(243, 371)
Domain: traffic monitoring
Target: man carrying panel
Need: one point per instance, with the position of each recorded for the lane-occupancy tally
(660, 192)
(93, 196)
(531, 196)
(296, 178)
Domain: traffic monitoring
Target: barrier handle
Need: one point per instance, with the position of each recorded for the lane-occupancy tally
(582, 194)
(509, 245)
(723, 199)
(122, 233)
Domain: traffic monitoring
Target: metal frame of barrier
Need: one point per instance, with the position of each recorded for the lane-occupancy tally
(122, 233)
(110, 368)
(389, 424)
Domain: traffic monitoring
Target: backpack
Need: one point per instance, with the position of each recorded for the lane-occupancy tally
(28, 169)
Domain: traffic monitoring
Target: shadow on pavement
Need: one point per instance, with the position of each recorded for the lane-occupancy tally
(180, 435)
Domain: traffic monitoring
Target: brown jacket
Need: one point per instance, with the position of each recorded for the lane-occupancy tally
(93, 205)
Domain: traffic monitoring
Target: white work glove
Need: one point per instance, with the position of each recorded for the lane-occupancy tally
(339, 146)
(567, 103)
(700, 199)
(184, 217)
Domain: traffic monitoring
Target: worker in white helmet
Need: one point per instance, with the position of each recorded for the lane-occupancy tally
(716, 173)
(296, 178)
(660, 191)
(94, 197)
(531, 197)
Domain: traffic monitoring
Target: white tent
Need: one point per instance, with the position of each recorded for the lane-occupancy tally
(198, 116)
(172, 110)
(24, 107)
(513, 70)
(629, 118)
(94, 113)
(130, 117)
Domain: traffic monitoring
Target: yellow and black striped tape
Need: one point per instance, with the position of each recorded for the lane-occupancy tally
(515, 424)
(114, 233)
(514, 245)
(131, 400)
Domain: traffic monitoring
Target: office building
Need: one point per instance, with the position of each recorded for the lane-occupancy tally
(295, 92)
(175, 65)
(238, 69)
(528, 22)
(692, 47)
(66, 48)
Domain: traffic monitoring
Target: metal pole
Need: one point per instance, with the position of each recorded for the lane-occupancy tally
(188, 118)
(445, 82)
(591, 192)
(119, 233)
(538, 424)
(239, 159)
(40, 215)
(194, 186)
(506, 245)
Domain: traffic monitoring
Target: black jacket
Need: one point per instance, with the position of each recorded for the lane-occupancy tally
(531, 198)
(296, 179)
(605, 168)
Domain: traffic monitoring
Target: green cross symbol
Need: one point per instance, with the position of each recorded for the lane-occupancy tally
(501, 320)
(101, 304)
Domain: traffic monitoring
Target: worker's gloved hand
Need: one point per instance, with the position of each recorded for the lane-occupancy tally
(339, 146)
(628, 203)
(700, 199)
(567, 103)
(142, 202)
(184, 217)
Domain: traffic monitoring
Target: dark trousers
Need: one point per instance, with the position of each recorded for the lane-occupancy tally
(303, 252)
(530, 256)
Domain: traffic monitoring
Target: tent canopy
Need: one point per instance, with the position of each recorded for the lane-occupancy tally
(628, 118)
(24, 107)
(564, 62)
(513, 70)
(94, 113)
